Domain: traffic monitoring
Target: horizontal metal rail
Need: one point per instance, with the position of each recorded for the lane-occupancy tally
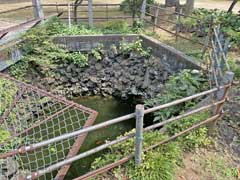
(31, 147)
(15, 9)
(108, 144)
(99, 5)
(126, 159)
(173, 33)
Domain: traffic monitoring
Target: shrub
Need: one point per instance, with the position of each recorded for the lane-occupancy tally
(184, 84)
(116, 26)
(159, 163)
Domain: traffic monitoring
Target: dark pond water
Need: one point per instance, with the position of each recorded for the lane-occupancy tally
(108, 108)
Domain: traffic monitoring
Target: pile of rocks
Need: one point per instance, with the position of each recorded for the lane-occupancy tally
(117, 74)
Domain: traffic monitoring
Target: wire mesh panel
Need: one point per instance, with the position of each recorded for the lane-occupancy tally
(29, 115)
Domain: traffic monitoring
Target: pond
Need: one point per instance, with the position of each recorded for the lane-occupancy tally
(108, 108)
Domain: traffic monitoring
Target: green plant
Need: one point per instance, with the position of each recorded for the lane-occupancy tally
(97, 52)
(229, 22)
(133, 6)
(193, 139)
(77, 58)
(159, 163)
(116, 26)
(135, 47)
(184, 84)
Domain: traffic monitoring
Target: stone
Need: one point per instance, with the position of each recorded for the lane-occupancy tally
(98, 66)
(93, 79)
(74, 80)
(146, 81)
(63, 79)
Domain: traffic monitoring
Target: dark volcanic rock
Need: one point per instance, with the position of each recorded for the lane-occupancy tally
(116, 74)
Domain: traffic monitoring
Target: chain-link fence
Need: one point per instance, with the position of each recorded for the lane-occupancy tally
(28, 116)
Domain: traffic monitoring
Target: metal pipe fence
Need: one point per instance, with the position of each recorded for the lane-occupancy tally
(79, 133)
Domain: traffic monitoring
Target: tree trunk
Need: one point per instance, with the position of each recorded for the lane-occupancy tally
(232, 6)
(189, 7)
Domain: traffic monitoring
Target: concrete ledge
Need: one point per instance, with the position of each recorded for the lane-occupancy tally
(88, 42)
(177, 59)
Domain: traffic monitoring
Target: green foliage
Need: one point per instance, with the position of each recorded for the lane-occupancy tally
(230, 22)
(159, 163)
(219, 168)
(193, 139)
(135, 47)
(78, 58)
(4, 135)
(184, 84)
(234, 68)
(116, 26)
(97, 52)
(133, 6)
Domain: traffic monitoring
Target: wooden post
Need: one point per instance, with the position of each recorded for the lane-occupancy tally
(156, 14)
(107, 11)
(57, 8)
(90, 13)
(178, 23)
(139, 133)
(221, 95)
(37, 9)
(143, 9)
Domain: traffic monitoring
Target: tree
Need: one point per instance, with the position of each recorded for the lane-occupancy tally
(76, 4)
(134, 6)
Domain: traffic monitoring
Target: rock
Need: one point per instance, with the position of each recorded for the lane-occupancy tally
(146, 81)
(74, 80)
(63, 79)
(98, 66)
(113, 51)
(93, 79)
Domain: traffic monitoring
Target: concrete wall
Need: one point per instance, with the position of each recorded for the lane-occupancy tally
(168, 54)
(177, 59)
(88, 42)
(9, 56)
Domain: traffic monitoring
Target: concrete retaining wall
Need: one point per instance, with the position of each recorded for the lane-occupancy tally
(88, 42)
(177, 59)
(9, 56)
(170, 55)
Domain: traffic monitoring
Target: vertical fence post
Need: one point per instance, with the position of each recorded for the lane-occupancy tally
(107, 11)
(156, 14)
(222, 94)
(69, 14)
(37, 9)
(143, 9)
(139, 133)
(90, 13)
(178, 23)
(57, 8)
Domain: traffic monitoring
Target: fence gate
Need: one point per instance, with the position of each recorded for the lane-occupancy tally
(28, 116)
